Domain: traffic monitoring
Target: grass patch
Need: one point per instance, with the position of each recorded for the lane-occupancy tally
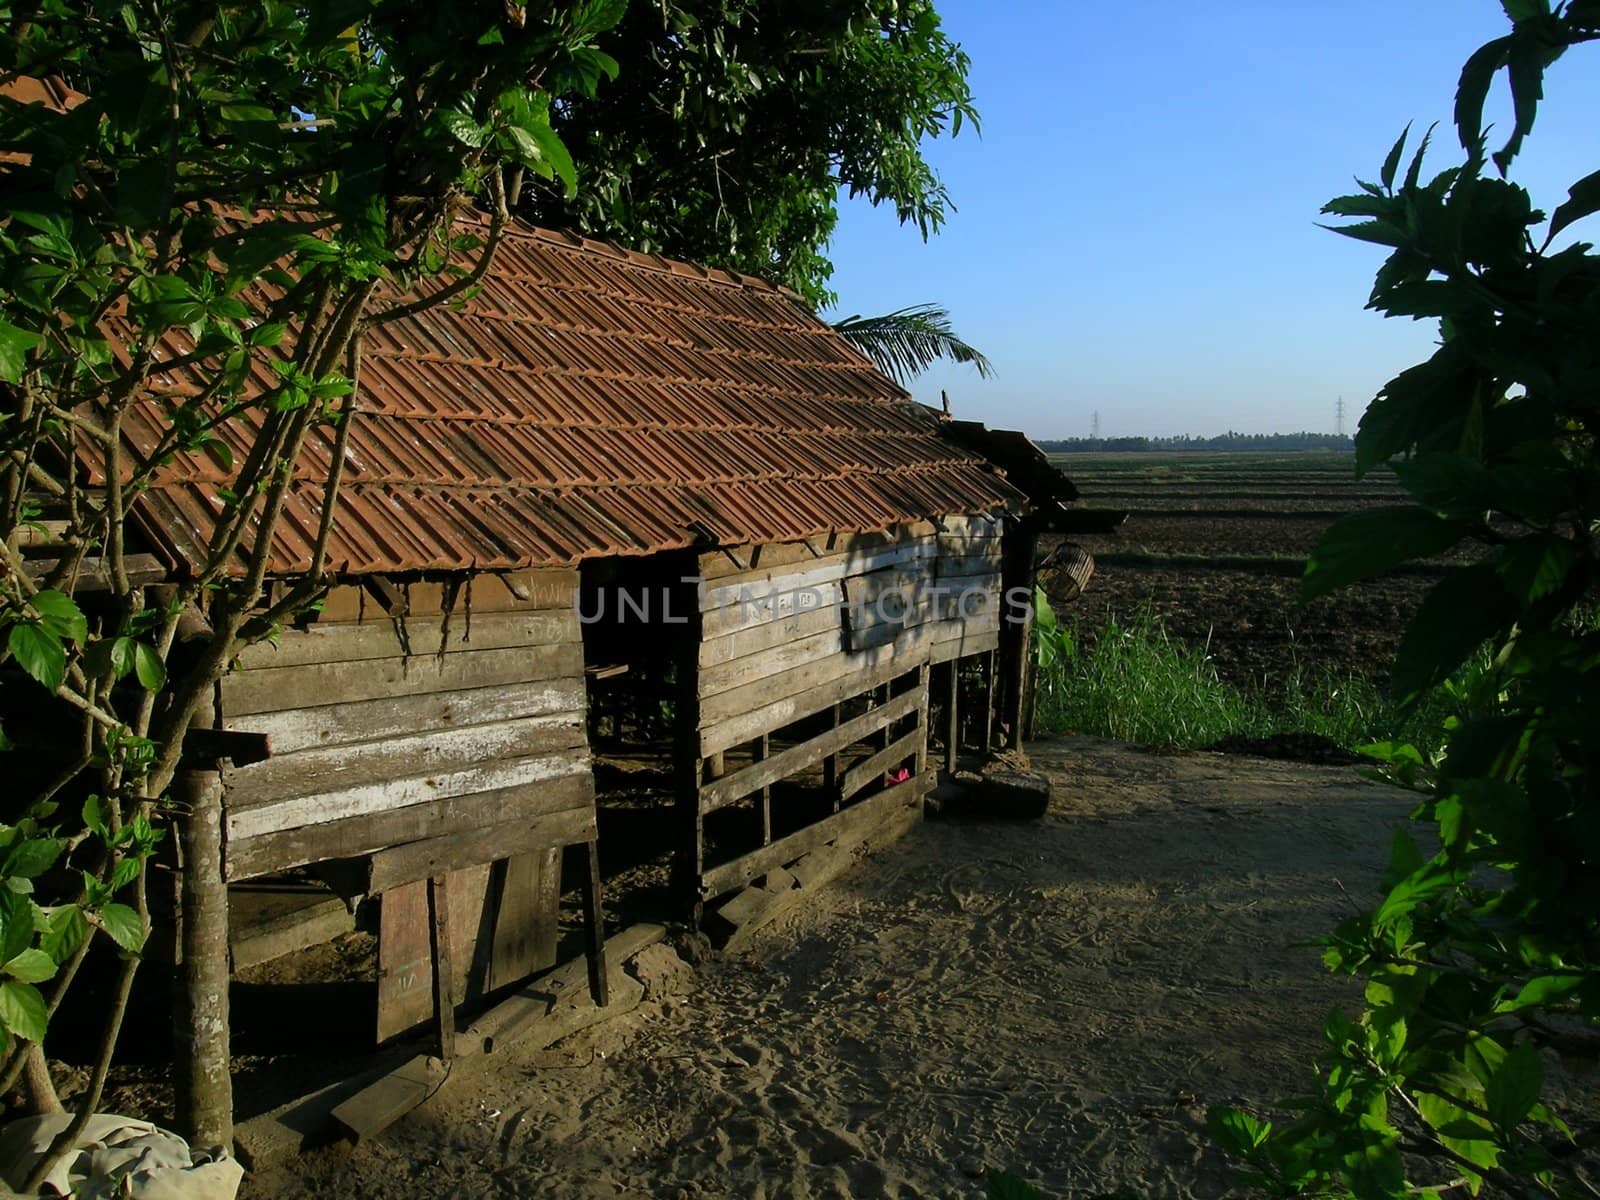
(1139, 684)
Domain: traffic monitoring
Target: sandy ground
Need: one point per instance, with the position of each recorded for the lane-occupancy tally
(1062, 998)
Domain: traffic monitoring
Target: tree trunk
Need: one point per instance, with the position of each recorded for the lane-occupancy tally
(200, 1014)
(37, 1086)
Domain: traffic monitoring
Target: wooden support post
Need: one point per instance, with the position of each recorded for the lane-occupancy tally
(924, 672)
(716, 766)
(200, 1016)
(952, 737)
(444, 991)
(886, 737)
(594, 928)
(988, 703)
(830, 765)
(688, 766)
(762, 748)
(1017, 578)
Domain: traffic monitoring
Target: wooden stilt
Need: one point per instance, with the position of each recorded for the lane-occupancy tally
(830, 765)
(952, 737)
(444, 1000)
(988, 703)
(594, 930)
(923, 673)
(763, 747)
(886, 735)
(200, 1016)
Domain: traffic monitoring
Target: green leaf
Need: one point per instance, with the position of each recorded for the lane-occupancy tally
(1526, 69)
(96, 816)
(1514, 1089)
(67, 930)
(60, 615)
(31, 966)
(22, 1010)
(16, 924)
(1533, 567)
(147, 665)
(463, 128)
(31, 858)
(1463, 610)
(1238, 1133)
(14, 346)
(39, 652)
(1473, 89)
(1583, 199)
(1458, 1129)
(1380, 233)
(124, 926)
(1392, 164)
(1543, 990)
(1372, 541)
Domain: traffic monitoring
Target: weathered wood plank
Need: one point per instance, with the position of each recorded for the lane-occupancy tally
(272, 688)
(768, 663)
(721, 792)
(864, 772)
(329, 642)
(976, 525)
(961, 644)
(862, 815)
(774, 608)
(720, 565)
(799, 680)
(94, 574)
(527, 922)
(719, 649)
(401, 865)
(759, 584)
(380, 1104)
(558, 988)
(383, 795)
(980, 562)
(352, 837)
(297, 729)
(342, 768)
(483, 592)
(776, 714)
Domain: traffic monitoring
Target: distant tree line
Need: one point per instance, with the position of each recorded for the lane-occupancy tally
(1222, 441)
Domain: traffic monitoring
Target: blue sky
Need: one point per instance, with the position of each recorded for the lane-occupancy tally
(1136, 228)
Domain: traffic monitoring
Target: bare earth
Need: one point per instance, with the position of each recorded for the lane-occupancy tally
(1062, 998)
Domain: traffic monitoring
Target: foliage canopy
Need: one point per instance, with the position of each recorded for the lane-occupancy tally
(1479, 956)
(211, 205)
(735, 124)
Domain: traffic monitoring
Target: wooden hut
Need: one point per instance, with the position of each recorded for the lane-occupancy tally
(828, 561)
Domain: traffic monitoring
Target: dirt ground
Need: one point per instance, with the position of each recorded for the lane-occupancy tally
(1062, 998)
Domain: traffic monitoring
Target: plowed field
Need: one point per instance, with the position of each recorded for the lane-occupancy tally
(1215, 544)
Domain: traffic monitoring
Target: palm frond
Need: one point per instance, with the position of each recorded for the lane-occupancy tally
(908, 341)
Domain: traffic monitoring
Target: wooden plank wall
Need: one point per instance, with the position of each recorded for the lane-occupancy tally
(469, 747)
(789, 630)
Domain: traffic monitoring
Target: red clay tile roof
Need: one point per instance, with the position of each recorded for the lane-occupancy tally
(594, 401)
